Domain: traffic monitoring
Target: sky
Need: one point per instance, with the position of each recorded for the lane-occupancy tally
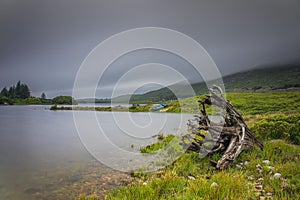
(43, 43)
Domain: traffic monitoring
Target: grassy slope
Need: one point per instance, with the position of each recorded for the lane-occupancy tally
(190, 177)
(261, 80)
(267, 78)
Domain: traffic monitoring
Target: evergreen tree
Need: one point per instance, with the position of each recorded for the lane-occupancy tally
(18, 90)
(43, 96)
(4, 92)
(24, 91)
(11, 92)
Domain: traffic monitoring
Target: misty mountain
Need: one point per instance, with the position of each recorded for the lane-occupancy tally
(256, 80)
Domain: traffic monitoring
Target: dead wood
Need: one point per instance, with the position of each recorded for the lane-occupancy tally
(230, 137)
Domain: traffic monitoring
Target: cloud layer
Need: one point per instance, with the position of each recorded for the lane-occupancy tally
(43, 43)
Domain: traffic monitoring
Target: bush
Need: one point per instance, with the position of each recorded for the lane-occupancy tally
(33, 100)
(46, 101)
(54, 107)
(5, 100)
(279, 127)
(66, 100)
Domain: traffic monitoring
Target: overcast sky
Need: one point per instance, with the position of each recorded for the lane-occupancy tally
(43, 43)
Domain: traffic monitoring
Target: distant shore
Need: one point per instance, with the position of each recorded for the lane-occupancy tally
(144, 108)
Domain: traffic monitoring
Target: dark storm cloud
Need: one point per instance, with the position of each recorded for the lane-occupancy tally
(43, 43)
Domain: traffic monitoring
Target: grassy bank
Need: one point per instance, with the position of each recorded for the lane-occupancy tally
(273, 173)
(192, 178)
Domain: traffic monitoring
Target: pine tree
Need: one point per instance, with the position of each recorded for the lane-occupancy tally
(11, 92)
(24, 91)
(4, 92)
(43, 96)
(18, 90)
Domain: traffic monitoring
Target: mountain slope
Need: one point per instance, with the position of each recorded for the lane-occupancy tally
(256, 80)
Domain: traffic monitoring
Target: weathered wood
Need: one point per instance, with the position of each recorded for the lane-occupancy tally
(229, 138)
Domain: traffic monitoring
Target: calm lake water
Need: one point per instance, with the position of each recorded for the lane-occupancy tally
(42, 156)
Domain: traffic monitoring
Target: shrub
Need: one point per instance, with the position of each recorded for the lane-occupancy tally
(54, 107)
(279, 126)
(67, 100)
(5, 100)
(33, 100)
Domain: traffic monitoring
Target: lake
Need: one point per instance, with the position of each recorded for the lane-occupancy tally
(43, 157)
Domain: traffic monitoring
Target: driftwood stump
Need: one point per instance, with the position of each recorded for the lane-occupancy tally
(230, 137)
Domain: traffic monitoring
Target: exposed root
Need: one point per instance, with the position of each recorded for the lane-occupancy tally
(230, 137)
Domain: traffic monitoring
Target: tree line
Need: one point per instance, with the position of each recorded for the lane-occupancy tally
(20, 90)
(20, 94)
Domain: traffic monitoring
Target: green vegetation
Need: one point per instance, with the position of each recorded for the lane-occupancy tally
(137, 108)
(145, 108)
(33, 101)
(264, 80)
(19, 94)
(247, 103)
(271, 173)
(16, 93)
(158, 145)
(19, 91)
(279, 126)
(43, 96)
(93, 100)
(5, 100)
(63, 100)
(263, 103)
(273, 79)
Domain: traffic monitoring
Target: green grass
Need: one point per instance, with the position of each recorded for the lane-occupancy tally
(190, 177)
(158, 145)
(247, 103)
(263, 103)
(278, 126)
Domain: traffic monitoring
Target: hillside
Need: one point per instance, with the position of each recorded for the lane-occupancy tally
(266, 79)
(255, 80)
